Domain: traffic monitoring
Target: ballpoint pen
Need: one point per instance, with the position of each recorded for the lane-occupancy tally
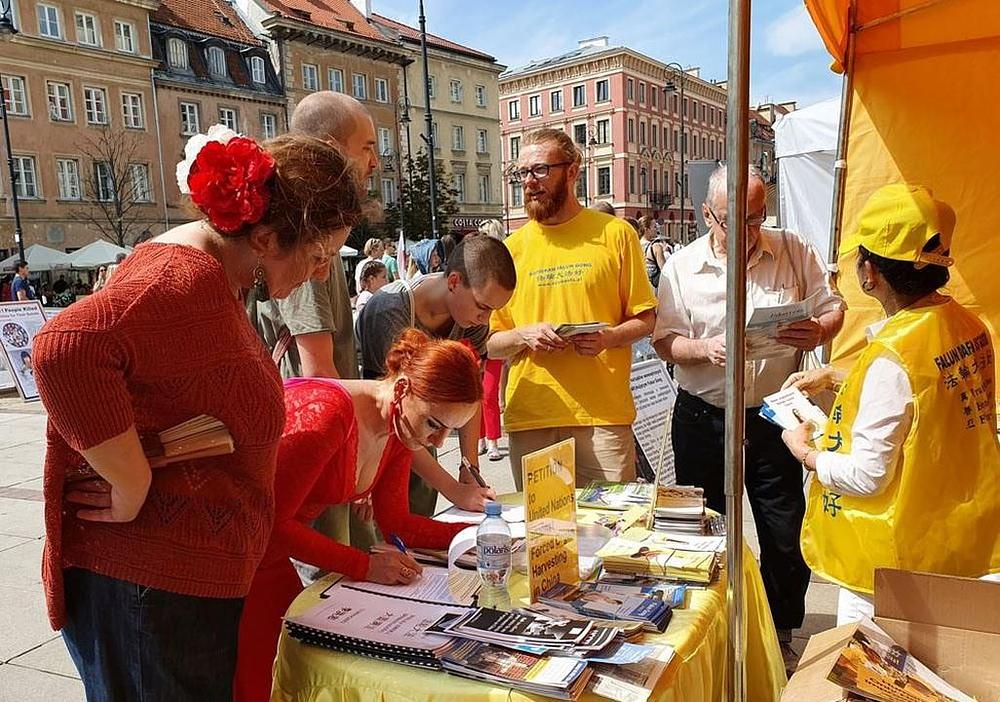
(474, 472)
(398, 543)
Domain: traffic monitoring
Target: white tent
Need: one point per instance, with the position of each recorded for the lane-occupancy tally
(38, 257)
(805, 145)
(95, 254)
(347, 252)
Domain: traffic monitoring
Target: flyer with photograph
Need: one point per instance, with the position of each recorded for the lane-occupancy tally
(19, 322)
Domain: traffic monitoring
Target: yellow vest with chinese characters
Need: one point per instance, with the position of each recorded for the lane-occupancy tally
(941, 511)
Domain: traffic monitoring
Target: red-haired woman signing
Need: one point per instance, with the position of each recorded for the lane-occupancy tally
(343, 441)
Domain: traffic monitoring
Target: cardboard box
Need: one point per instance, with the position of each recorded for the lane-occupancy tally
(951, 625)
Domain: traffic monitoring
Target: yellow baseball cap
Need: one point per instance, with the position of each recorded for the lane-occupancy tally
(899, 219)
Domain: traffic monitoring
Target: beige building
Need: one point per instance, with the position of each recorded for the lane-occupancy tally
(74, 72)
(464, 95)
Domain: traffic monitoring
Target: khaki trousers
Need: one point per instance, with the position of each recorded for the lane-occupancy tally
(602, 453)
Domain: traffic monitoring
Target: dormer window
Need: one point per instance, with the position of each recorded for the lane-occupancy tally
(217, 61)
(257, 71)
(177, 54)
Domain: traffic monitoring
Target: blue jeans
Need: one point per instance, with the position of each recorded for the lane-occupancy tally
(139, 644)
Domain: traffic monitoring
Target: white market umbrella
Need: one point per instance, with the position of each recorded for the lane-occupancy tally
(38, 258)
(95, 254)
(347, 252)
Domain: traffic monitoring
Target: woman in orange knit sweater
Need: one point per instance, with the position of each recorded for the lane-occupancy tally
(145, 570)
(345, 440)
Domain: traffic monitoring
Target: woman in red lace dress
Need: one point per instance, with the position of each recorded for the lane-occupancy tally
(344, 441)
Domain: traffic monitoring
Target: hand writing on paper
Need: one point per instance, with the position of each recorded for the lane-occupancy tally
(392, 568)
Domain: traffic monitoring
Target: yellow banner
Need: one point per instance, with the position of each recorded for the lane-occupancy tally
(550, 513)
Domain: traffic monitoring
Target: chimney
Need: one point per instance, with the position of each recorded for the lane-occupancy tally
(364, 7)
(593, 43)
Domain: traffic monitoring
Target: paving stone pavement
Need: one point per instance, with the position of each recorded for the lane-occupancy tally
(34, 663)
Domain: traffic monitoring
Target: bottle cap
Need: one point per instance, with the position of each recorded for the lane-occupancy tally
(493, 509)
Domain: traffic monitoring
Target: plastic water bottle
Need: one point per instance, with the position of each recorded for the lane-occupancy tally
(493, 558)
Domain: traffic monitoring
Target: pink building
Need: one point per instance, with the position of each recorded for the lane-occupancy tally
(615, 103)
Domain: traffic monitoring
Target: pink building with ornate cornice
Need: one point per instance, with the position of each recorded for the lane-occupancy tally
(612, 100)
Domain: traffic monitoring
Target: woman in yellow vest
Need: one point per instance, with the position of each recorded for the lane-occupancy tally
(907, 473)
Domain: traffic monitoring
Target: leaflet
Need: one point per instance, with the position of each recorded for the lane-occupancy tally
(436, 585)
(568, 330)
(634, 682)
(788, 408)
(764, 324)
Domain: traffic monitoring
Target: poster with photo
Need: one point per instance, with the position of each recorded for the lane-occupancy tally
(19, 322)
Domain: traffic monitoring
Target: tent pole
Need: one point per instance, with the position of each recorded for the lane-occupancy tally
(737, 136)
(840, 162)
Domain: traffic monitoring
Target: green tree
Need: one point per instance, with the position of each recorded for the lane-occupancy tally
(412, 211)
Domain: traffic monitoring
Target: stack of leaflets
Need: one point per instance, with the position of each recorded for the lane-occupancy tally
(563, 678)
(633, 682)
(674, 594)
(617, 496)
(374, 625)
(521, 629)
(568, 330)
(681, 508)
(652, 559)
(605, 602)
(789, 408)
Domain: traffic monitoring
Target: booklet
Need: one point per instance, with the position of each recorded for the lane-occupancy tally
(614, 496)
(520, 627)
(593, 600)
(568, 330)
(674, 594)
(764, 323)
(788, 408)
(633, 682)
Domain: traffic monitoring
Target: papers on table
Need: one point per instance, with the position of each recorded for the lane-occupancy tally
(511, 514)
(568, 330)
(435, 585)
(688, 542)
(633, 682)
(788, 408)
(764, 323)
(615, 496)
(649, 558)
(605, 603)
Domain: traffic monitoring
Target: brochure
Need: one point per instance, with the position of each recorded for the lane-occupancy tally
(615, 496)
(519, 627)
(633, 682)
(788, 408)
(592, 600)
(568, 330)
(764, 323)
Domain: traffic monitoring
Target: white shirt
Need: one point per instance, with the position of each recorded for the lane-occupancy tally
(885, 415)
(692, 304)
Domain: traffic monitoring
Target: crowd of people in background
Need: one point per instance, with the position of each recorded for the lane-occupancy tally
(336, 414)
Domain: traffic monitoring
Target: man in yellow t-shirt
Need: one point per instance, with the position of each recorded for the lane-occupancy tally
(574, 266)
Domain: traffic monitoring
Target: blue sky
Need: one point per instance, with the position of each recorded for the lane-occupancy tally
(788, 59)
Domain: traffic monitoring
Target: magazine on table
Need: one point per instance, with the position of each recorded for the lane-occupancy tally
(523, 628)
(628, 630)
(633, 682)
(673, 594)
(615, 496)
(563, 678)
(592, 600)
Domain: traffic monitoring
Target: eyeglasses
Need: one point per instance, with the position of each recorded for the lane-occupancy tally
(539, 170)
(752, 222)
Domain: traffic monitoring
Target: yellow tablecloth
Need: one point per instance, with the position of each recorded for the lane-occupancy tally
(698, 633)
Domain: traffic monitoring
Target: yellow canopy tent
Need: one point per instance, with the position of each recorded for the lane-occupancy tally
(923, 108)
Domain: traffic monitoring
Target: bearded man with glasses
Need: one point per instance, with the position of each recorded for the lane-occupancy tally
(690, 333)
(574, 266)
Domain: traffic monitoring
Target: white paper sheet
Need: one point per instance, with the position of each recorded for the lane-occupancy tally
(764, 322)
(438, 585)
(511, 514)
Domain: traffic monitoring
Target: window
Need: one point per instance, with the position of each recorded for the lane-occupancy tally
(514, 110)
(652, 95)
(48, 24)
(580, 133)
(480, 96)
(684, 111)
(381, 90)
(642, 182)
(432, 86)
(642, 132)
(556, 101)
(139, 174)
(676, 141)
(701, 111)
(603, 94)
(27, 178)
(335, 79)
(642, 93)
(95, 102)
(515, 147)
(124, 37)
(653, 132)
(631, 130)
(604, 180)
(177, 54)
(711, 148)
(603, 129)
(60, 103)
(630, 89)
(458, 138)
(388, 191)
(104, 181)
(482, 141)
(384, 142)
(257, 71)
(455, 89)
(268, 125)
(190, 124)
(310, 77)
(581, 185)
(68, 174)
(534, 105)
(87, 32)
(132, 110)
(517, 195)
(15, 95)
(216, 61)
(579, 95)
(227, 118)
(360, 83)
(631, 179)
(484, 187)
(458, 180)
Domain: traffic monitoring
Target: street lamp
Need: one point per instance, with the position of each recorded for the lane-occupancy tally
(676, 77)
(8, 30)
